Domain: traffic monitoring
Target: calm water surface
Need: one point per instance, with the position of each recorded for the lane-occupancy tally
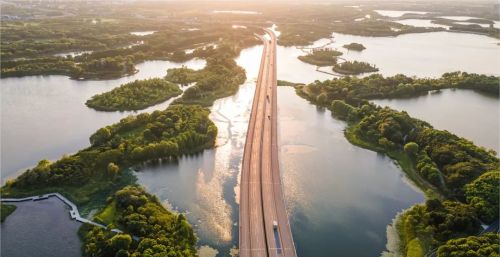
(422, 55)
(426, 54)
(465, 113)
(41, 228)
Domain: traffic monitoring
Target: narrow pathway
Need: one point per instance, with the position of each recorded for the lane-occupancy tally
(74, 213)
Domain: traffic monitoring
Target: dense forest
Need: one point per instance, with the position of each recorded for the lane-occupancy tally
(135, 95)
(378, 28)
(435, 222)
(376, 86)
(104, 165)
(221, 77)
(460, 179)
(353, 68)
(321, 57)
(149, 229)
(473, 246)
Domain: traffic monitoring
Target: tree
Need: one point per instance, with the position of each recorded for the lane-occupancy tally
(120, 241)
(122, 253)
(113, 169)
(341, 109)
(100, 137)
(411, 149)
(482, 194)
(473, 246)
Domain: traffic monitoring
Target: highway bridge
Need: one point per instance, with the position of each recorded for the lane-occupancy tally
(264, 229)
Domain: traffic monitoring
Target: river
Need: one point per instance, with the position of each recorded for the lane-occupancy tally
(337, 194)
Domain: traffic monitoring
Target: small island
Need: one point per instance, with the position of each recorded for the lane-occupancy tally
(136, 95)
(147, 228)
(321, 57)
(355, 47)
(354, 68)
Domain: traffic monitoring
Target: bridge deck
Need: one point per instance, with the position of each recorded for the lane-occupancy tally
(261, 198)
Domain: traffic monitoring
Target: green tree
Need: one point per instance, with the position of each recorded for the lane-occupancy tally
(474, 246)
(113, 169)
(120, 241)
(482, 194)
(411, 149)
(101, 136)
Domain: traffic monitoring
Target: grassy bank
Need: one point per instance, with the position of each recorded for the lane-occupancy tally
(6, 210)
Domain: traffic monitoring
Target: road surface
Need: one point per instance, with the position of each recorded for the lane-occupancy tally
(264, 229)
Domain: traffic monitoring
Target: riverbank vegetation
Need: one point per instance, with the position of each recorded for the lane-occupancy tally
(460, 179)
(221, 77)
(449, 166)
(377, 86)
(306, 33)
(354, 68)
(136, 95)
(426, 226)
(149, 229)
(6, 210)
(473, 27)
(93, 173)
(321, 57)
(472, 246)
(301, 34)
(355, 47)
(378, 28)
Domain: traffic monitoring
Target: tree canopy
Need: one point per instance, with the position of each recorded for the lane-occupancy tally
(135, 95)
(158, 232)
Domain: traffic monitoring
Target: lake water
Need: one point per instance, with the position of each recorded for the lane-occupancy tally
(41, 228)
(425, 54)
(45, 117)
(465, 113)
(336, 193)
